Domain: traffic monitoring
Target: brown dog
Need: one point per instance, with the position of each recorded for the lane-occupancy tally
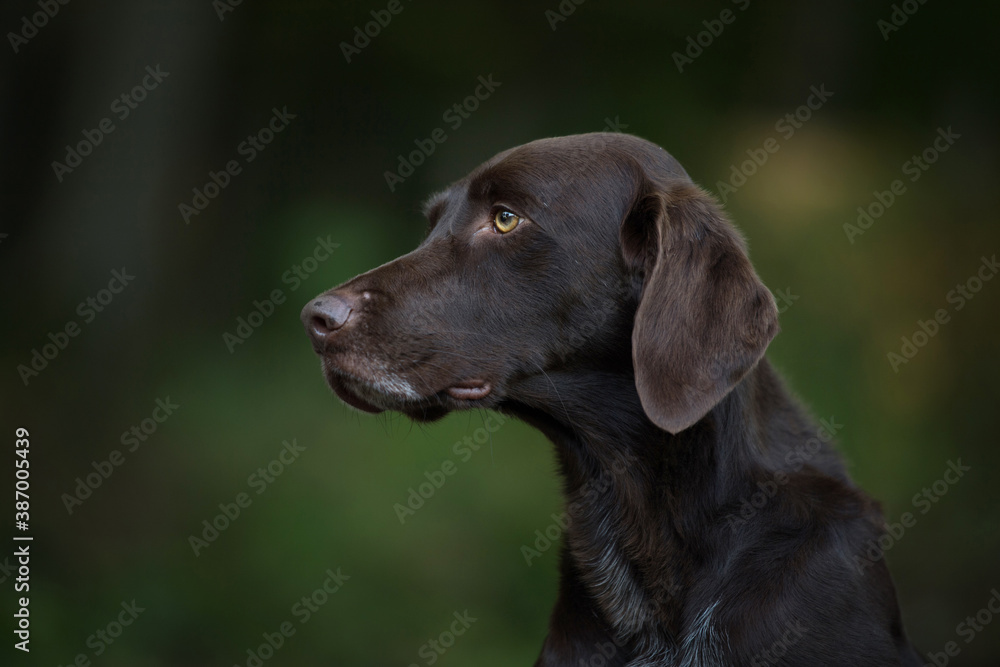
(585, 285)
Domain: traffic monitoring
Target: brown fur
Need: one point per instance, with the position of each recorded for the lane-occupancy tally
(624, 320)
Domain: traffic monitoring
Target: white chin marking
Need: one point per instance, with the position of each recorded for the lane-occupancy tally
(389, 383)
(395, 386)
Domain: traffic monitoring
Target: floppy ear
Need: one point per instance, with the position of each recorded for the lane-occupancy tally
(704, 317)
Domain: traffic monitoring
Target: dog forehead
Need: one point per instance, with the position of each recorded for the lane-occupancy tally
(563, 181)
(551, 178)
(595, 151)
(553, 159)
(575, 169)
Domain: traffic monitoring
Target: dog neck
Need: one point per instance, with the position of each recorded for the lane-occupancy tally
(637, 496)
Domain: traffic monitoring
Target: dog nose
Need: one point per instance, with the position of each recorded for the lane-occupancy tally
(326, 314)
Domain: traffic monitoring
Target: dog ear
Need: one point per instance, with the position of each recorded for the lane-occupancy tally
(704, 317)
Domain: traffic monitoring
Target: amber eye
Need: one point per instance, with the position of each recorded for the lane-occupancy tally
(505, 221)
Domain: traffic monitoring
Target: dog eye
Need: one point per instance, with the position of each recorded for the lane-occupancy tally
(505, 221)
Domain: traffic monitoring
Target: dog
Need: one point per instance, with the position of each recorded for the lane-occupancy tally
(585, 285)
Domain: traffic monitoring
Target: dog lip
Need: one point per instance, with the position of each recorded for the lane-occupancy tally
(350, 398)
(470, 390)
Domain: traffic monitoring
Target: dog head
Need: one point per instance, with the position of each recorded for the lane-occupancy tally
(590, 252)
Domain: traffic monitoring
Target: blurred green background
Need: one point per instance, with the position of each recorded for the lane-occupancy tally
(607, 66)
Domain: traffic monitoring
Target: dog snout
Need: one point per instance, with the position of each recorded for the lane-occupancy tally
(326, 314)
